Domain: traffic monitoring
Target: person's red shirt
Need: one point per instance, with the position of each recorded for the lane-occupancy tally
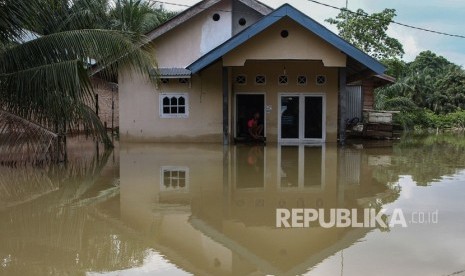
(252, 122)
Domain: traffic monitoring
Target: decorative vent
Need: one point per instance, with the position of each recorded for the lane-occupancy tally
(320, 80)
(183, 80)
(165, 80)
(302, 80)
(283, 80)
(260, 79)
(241, 79)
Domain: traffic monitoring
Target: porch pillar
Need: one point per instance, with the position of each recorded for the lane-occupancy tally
(225, 105)
(342, 104)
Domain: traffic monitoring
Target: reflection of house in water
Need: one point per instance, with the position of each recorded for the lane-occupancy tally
(212, 211)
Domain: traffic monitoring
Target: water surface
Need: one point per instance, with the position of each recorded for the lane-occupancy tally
(183, 209)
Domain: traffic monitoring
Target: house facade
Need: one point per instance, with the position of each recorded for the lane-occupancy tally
(222, 61)
(211, 219)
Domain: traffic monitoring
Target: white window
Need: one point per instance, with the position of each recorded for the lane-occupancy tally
(174, 178)
(174, 105)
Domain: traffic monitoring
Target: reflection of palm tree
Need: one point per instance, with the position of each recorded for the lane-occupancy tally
(21, 184)
(57, 213)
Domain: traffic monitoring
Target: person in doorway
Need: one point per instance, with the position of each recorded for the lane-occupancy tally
(255, 130)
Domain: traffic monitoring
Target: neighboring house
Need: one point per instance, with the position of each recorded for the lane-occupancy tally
(107, 102)
(221, 61)
(361, 94)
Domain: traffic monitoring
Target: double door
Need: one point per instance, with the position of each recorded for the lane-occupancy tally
(302, 117)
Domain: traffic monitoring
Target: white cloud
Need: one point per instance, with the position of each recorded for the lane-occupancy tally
(409, 40)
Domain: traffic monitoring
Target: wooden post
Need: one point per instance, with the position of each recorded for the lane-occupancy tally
(97, 150)
(226, 177)
(342, 104)
(65, 143)
(225, 106)
(96, 104)
(112, 112)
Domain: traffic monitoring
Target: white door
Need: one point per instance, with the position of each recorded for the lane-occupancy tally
(302, 117)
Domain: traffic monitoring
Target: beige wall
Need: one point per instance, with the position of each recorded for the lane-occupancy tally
(192, 39)
(189, 41)
(245, 228)
(139, 109)
(272, 70)
(299, 45)
(169, 227)
(139, 100)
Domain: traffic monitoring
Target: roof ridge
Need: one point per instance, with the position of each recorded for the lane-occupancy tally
(197, 9)
(287, 10)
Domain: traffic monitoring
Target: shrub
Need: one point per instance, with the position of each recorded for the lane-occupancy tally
(428, 119)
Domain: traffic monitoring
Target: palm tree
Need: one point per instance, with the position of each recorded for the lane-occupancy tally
(47, 80)
(138, 16)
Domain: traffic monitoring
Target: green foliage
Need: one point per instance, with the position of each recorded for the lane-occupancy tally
(426, 119)
(396, 68)
(368, 32)
(450, 120)
(430, 82)
(428, 90)
(47, 80)
(430, 60)
(399, 103)
(410, 120)
(138, 16)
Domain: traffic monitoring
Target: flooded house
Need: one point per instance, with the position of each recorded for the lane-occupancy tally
(222, 61)
(213, 213)
(181, 209)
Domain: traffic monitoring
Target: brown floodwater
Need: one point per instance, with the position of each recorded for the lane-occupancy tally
(195, 209)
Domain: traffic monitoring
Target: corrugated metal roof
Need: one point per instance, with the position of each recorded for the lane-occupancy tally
(378, 80)
(174, 73)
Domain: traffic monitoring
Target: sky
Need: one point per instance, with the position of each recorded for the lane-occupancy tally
(440, 15)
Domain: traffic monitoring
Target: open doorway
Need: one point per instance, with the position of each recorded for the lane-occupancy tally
(246, 106)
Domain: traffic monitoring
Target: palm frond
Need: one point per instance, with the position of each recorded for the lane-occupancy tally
(46, 80)
(92, 124)
(400, 103)
(104, 47)
(31, 141)
(13, 19)
(34, 85)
